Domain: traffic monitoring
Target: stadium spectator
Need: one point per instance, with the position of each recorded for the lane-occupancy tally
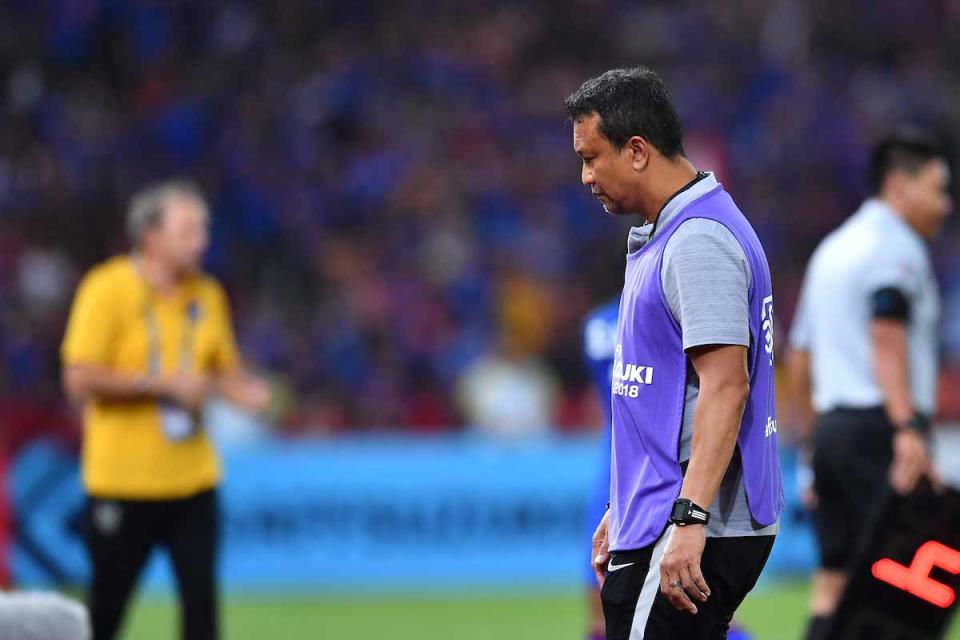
(368, 193)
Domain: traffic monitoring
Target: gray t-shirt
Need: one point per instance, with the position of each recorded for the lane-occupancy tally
(706, 280)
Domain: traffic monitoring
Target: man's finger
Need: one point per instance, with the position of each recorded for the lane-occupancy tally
(681, 600)
(600, 575)
(697, 577)
(901, 477)
(935, 480)
(665, 586)
(690, 589)
(599, 562)
(672, 587)
(665, 589)
(929, 470)
(900, 482)
(912, 471)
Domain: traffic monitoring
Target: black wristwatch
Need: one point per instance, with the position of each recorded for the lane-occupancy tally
(687, 512)
(919, 422)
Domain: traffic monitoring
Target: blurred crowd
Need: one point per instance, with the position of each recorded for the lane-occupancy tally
(397, 212)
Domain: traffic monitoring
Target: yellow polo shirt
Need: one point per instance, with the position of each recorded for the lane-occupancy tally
(125, 452)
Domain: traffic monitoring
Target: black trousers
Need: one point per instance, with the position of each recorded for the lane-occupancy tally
(632, 601)
(853, 450)
(120, 536)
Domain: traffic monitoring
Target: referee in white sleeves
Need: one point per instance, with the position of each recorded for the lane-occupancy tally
(864, 346)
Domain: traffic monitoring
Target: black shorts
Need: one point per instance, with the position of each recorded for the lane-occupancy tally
(632, 601)
(852, 452)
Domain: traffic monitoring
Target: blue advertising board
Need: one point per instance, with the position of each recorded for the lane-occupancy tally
(376, 513)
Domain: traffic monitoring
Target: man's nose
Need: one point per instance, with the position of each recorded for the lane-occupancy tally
(586, 176)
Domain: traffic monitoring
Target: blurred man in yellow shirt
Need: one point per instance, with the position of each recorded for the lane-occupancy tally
(149, 340)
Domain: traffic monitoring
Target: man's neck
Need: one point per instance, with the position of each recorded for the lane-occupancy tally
(674, 176)
(159, 277)
(898, 209)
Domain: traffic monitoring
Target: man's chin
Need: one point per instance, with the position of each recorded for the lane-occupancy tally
(188, 270)
(611, 209)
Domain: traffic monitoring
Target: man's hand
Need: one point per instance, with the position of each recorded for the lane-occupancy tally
(805, 479)
(187, 390)
(600, 552)
(911, 461)
(250, 393)
(680, 578)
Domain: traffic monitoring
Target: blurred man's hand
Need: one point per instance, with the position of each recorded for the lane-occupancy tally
(911, 461)
(805, 479)
(251, 393)
(601, 549)
(187, 390)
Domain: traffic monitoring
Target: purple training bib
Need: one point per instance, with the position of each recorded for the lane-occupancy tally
(649, 383)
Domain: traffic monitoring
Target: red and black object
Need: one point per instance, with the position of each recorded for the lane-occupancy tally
(904, 580)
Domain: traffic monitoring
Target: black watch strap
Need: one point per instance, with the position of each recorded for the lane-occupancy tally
(919, 422)
(688, 512)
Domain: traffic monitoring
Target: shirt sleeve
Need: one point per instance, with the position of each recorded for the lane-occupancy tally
(706, 281)
(226, 355)
(91, 325)
(898, 268)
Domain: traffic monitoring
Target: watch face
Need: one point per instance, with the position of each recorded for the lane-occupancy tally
(679, 511)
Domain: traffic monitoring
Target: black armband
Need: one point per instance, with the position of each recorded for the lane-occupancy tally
(890, 303)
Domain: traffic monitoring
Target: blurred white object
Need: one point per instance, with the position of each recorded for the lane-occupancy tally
(42, 616)
(227, 424)
(508, 398)
(946, 454)
(44, 278)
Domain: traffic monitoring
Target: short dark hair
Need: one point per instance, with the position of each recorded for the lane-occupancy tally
(906, 149)
(630, 102)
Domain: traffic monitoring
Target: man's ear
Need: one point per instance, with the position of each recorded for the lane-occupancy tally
(894, 183)
(639, 150)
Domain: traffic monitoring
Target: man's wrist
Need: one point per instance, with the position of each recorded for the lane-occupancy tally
(686, 512)
(916, 422)
(149, 386)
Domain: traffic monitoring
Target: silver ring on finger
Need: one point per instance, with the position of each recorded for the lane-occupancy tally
(675, 584)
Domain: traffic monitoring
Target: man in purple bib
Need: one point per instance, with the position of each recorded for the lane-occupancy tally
(695, 489)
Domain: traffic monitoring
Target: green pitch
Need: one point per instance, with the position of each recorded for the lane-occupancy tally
(773, 612)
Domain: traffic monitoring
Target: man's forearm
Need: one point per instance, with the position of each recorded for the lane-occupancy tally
(716, 424)
(90, 381)
(891, 368)
(798, 372)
